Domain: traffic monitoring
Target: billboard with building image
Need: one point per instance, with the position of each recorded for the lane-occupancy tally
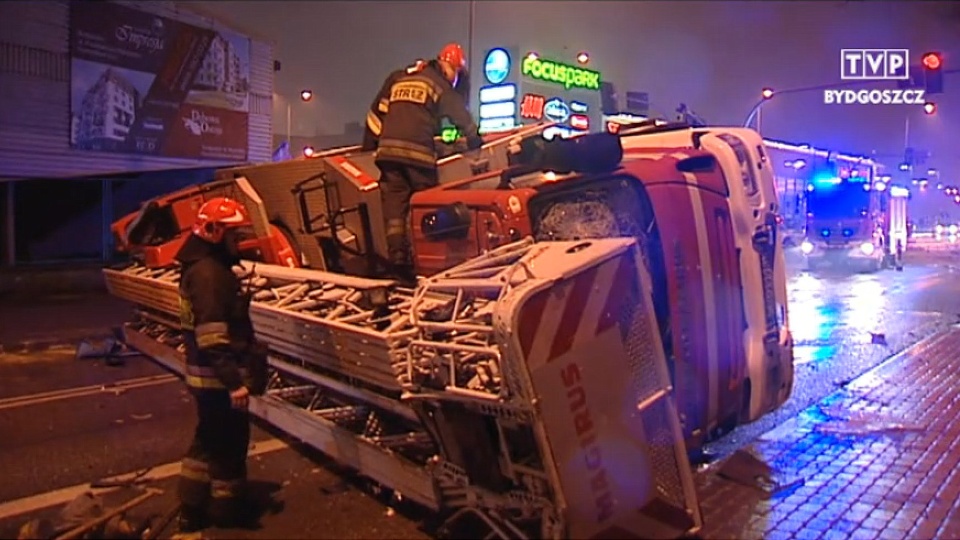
(145, 84)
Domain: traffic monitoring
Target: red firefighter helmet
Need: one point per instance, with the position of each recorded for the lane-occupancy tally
(216, 216)
(452, 54)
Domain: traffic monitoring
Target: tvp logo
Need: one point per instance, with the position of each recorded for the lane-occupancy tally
(874, 64)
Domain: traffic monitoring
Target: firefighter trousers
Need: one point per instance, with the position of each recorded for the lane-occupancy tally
(398, 182)
(214, 472)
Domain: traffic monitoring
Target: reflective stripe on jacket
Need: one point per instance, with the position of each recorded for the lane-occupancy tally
(216, 322)
(205, 378)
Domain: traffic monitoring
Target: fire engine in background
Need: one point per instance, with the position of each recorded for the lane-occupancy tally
(852, 216)
(452, 393)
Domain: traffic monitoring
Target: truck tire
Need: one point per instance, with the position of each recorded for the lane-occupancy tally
(292, 240)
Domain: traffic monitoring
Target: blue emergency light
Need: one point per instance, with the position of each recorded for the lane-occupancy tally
(825, 180)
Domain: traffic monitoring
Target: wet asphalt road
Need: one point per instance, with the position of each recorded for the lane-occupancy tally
(845, 323)
(63, 442)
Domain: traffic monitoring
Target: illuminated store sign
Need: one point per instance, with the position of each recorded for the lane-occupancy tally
(556, 110)
(562, 74)
(580, 121)
(496, 67)
(554, 131)
(531, 108)
(491, 125)
(494, 94)
(498, 100)
(498, 110)
(537, 89)
(449, 134)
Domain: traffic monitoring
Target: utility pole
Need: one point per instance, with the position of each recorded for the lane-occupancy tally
(473, 9)
(289, 122)
(906, 132)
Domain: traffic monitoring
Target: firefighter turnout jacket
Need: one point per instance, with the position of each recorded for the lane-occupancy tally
(214, 314)
(381, 104)
(416, 104)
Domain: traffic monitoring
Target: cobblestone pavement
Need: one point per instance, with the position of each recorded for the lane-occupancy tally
(875, 460)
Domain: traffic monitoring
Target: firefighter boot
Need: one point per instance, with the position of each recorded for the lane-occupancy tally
(234, 513)
(191, 520)
(400, 267)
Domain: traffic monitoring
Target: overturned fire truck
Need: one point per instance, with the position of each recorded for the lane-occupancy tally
(572, 289)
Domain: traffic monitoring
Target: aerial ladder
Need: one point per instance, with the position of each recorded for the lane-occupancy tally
(490, 392)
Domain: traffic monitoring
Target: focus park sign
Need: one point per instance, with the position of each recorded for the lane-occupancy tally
(563, 74)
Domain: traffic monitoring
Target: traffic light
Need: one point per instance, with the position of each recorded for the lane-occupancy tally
(930, 107)
(932, 63)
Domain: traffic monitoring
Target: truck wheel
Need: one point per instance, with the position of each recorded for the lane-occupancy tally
(292, 240)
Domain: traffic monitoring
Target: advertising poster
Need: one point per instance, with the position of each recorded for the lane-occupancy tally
(144, 84)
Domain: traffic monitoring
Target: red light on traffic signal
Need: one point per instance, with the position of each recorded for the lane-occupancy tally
(932, 60)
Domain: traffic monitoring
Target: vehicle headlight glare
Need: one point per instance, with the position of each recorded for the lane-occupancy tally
(806, 247)
(867, 248)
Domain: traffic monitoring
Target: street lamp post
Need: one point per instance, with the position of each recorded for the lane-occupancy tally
(906, 132)
(768, 93)
(305, 95)
(473, 8)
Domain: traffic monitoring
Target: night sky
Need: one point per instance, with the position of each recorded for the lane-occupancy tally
(714, 56)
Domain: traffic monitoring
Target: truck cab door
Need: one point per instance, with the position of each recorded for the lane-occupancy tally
(443, 236)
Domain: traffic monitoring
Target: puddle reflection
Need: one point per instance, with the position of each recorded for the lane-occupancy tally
(825, 310)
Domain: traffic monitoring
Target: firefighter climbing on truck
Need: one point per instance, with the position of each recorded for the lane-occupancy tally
(406, 153)
(220, 345)
(378, 109)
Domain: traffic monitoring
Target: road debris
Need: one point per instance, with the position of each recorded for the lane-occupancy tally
(746, 469)
(111, 350)
(863, 423)
(86, 517)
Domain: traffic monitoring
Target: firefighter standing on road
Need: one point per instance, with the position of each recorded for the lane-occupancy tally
(406, 155)
(221, 349)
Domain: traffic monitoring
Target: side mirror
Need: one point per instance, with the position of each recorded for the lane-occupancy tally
(451, 222)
